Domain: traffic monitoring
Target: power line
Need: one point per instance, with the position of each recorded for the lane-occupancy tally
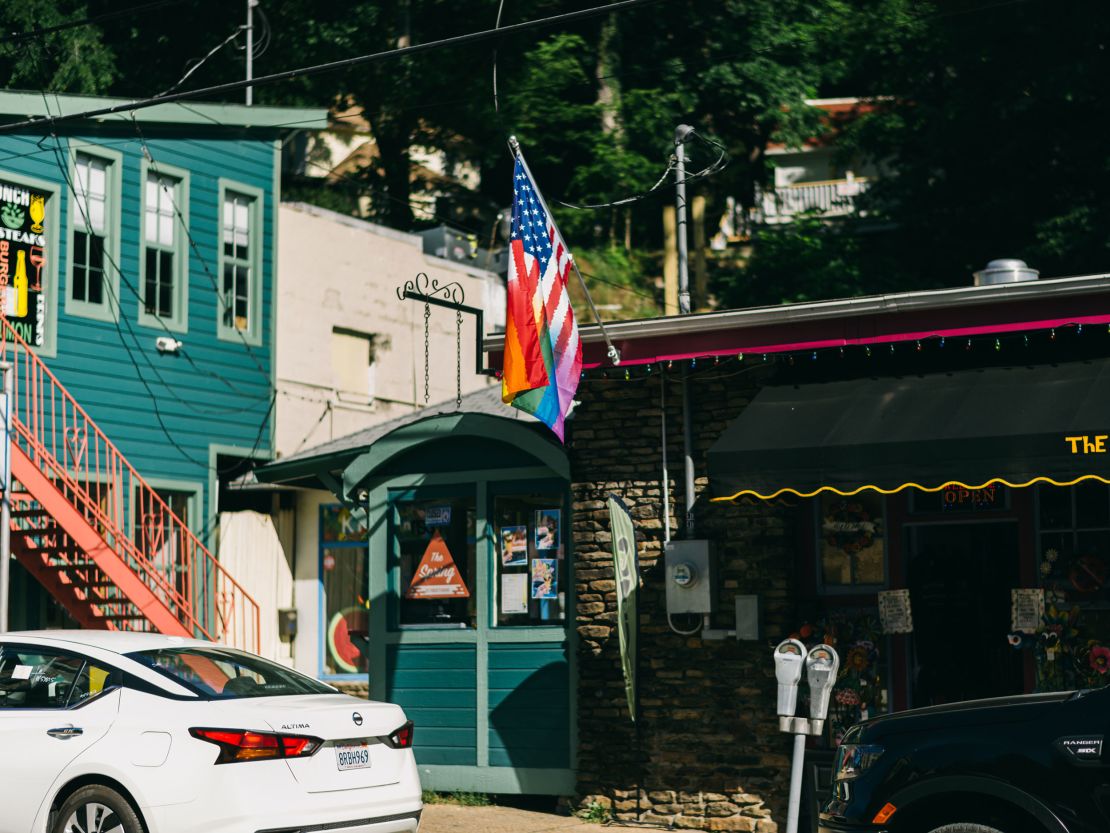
(227, 305)
(332, 66)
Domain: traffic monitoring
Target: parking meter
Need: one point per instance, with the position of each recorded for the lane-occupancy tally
(790, 657)
(821, 667)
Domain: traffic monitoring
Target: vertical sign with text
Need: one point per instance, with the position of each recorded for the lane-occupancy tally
(23, 260)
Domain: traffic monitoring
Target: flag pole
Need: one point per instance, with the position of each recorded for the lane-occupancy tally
(613, 353)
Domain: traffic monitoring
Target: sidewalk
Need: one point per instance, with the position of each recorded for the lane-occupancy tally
(452, 818)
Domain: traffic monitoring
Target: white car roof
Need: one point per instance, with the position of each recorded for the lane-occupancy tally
(119, 642)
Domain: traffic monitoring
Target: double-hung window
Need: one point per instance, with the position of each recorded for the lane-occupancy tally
(164, 250)
(240, 241)
(94, 234)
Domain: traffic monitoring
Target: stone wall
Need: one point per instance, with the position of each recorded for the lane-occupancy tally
(706, 752)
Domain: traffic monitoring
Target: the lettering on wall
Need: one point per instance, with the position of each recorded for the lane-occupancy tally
(1088, 443)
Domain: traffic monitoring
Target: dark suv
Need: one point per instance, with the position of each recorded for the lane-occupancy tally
(1038, 763)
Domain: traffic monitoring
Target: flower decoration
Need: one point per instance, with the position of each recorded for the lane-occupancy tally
(1100, 659)
(847, 697)
(848, 526)
(1051, 555)
(857, 658)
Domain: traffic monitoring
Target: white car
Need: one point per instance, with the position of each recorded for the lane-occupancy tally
(113, 732)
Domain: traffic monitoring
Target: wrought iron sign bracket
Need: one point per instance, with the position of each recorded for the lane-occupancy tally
(449, 296)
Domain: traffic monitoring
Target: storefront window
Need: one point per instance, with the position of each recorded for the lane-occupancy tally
(1070, 648)
(435, 540)
(530, 558)
(1075, 541)
(852, 541)
(344, 558)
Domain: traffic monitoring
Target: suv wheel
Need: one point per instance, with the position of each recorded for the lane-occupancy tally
(96, 809)
(962, 827)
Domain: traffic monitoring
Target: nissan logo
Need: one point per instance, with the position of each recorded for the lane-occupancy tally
(357, 718)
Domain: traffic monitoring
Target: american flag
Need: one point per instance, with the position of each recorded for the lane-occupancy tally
(539, 303)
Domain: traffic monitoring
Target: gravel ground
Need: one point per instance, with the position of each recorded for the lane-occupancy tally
(452, 818)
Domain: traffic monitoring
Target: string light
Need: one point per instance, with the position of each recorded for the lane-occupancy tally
(919, 345)
(997, 344)
(764, 357)
(842, 352)
(814, 355)
(868, 349)
(740, 357)
(892, 349)
(627, 375)
(968, 344)
(1079, 329)
(693, 363)
(1025, 339)
(942, 342)
(1052, 334)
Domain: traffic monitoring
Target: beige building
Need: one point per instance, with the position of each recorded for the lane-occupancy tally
(349, 353)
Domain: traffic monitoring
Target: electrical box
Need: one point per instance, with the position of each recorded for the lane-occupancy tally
(287, 623)
(749, 618)
(691, 577)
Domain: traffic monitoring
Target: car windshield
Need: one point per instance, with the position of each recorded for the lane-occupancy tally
(226, 674)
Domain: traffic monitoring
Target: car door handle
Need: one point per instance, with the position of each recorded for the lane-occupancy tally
(65, 732)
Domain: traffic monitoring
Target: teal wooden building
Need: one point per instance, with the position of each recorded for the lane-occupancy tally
(444, 576)
(137, 264)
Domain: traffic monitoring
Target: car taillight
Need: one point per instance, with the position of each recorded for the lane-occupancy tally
(853, 759)
(400, 738)
(244, 745)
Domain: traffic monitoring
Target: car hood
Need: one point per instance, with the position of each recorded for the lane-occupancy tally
(1016, 709)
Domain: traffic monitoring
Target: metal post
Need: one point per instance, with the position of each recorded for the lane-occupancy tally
(681, 133)
(250, 49)
(796, 783)
(6, 502)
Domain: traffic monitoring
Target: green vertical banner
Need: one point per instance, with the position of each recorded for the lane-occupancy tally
(626, 567)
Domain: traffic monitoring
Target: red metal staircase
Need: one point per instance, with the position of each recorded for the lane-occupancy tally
(96, 535)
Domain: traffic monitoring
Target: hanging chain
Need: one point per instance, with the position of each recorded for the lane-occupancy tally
(427, 316)
(458, 359)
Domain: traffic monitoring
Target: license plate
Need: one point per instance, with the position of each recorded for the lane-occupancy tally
(352, 756)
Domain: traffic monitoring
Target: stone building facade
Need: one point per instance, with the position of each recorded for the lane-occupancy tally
(705, 752)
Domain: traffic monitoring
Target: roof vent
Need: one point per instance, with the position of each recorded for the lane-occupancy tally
(1006, 270)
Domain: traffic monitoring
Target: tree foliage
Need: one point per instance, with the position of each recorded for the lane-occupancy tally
(987, 124)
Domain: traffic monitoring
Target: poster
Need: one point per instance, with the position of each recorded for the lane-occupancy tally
(514, 593)
(547, 529)
(437, 516)
(1026, 609)
(436, 575)
(514, 546)
(545, 578)
(22, 260)
(343, 523)
(895, 612)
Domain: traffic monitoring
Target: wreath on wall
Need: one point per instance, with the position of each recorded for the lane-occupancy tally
(848, 526)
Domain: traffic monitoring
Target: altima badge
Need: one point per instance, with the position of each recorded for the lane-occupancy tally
(357, 718)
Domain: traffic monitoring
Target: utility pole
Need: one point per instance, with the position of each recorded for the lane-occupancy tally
(681, 134)
(6, 506)
(250, 48)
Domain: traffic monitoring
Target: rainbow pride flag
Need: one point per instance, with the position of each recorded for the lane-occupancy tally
(543, 354)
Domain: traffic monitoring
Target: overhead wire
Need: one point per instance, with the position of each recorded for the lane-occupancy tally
(64, 168)
(333, 66)
(200, 255)
(201, 62)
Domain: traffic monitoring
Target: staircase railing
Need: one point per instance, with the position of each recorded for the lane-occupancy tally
(132, 518)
